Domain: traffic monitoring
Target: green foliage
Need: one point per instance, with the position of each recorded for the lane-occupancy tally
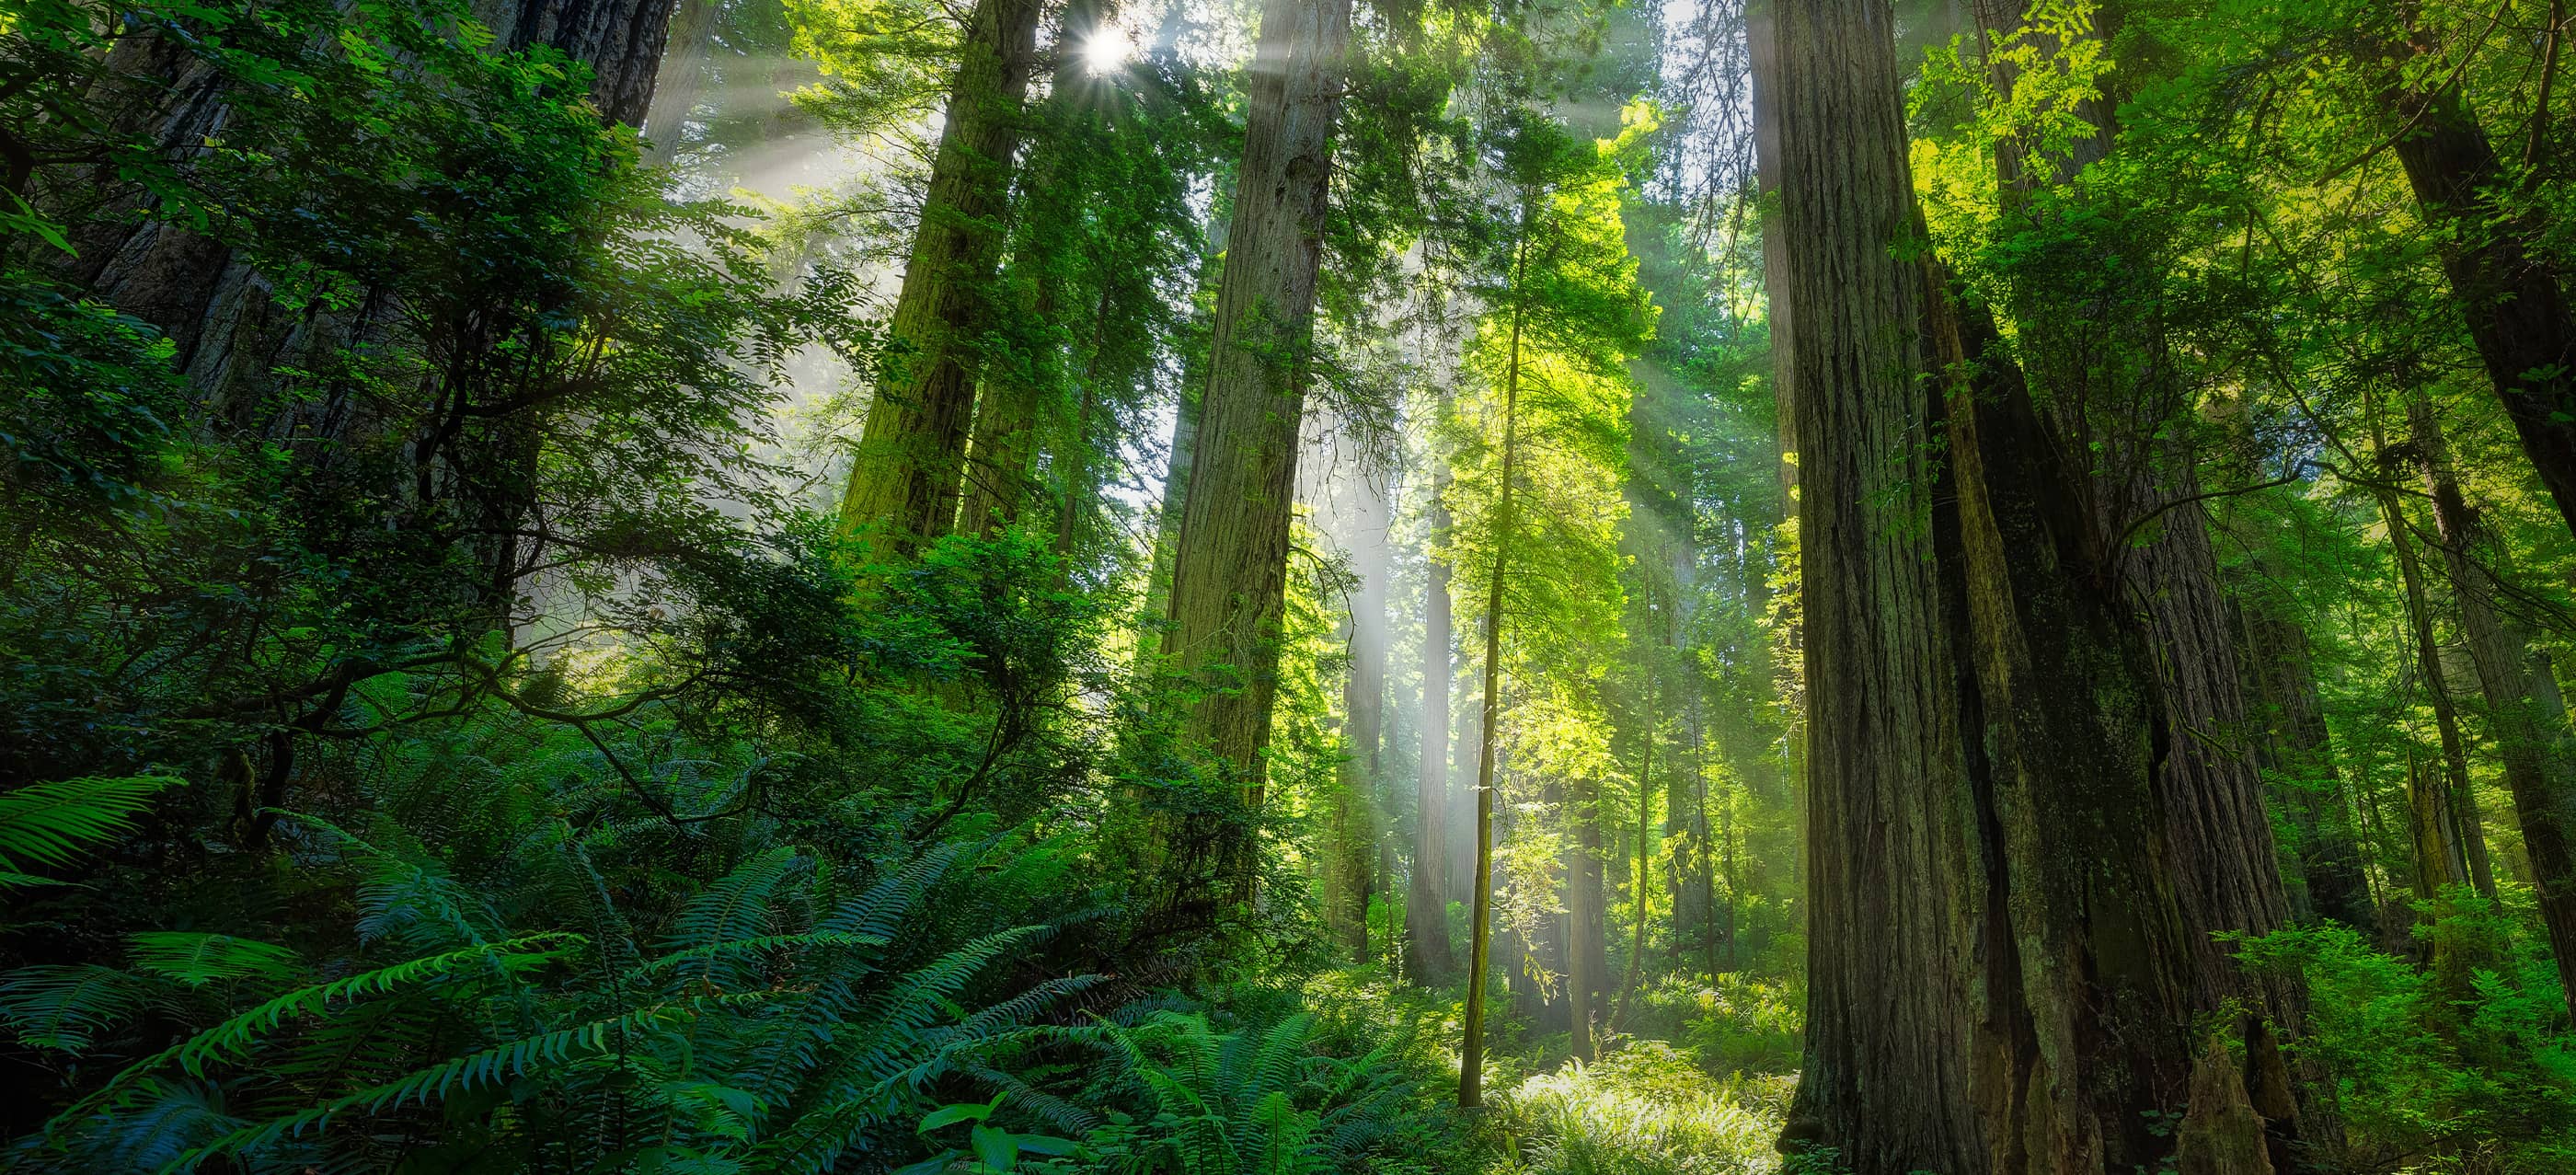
(2481, 1073)
(50, 824)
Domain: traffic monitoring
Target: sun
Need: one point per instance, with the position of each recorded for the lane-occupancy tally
(1108, 49)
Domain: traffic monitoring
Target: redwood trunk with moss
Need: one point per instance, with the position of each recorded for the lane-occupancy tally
(1230, 566)
(2511, 302)
(1999, 975)
(2535, 743)
(910, 464)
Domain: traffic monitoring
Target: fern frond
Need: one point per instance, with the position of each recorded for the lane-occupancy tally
(490, 1067)
(234, 1037)
(54, 822)
(66, 1008)
(198, 959)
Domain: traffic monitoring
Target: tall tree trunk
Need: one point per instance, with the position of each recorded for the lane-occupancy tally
(910, 463)
(1426, 906)
(2226, 867)
(1640, 883)
(1587, 954)
(1363, 707)
(2465, 832)
(1471, 1065)
(1999, 978)
(2537, 747)
(1016, 399)
(1230, 569)
(2515, 311)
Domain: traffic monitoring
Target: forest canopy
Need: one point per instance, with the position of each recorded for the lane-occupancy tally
(1174, 586)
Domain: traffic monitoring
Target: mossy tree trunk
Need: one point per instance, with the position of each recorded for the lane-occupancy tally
(2536, 746)
(910, 464)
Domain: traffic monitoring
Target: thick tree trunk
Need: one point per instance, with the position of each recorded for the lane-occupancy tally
(1019, 398)
(1999, 975)
(910, 463)
(1426, 905)
(1229, 573)
(2516, 313)
(2537, 747)
(231, 336)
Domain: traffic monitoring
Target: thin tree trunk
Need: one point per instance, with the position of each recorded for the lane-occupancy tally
(1639, 883)
(2537, 747)
(1471, 1065)
(2459, 805)
(1426, 907)
(910, 465)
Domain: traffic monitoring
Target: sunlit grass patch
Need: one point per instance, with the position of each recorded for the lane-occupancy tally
(1645, 1110)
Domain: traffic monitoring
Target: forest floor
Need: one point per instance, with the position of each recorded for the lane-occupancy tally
(1696, 1081)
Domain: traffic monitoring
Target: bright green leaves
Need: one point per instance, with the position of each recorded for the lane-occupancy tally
(53, 824)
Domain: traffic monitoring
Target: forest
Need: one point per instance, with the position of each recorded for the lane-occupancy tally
(1214, 587)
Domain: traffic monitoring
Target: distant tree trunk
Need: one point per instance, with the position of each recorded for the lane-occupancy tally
(1230, 567)
(675, 85)
(1587, 953)
(2464, 833)
(1364, 707)
(2329, 856)
(1471, 1066)
(2512, 304)
(1640, 884)
(1426, 907)
(910, 463)
(2537, 747)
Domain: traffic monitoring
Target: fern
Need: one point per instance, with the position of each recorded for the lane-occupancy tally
(199, 959)
(66, 1008)
(53, 823)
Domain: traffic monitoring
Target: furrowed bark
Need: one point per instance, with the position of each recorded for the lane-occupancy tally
(906, 474)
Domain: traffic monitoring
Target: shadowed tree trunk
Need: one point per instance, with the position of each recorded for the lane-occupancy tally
(910, 463)
(2463, 831)
(2515, 311)
(2283, 665)
(2536, 745)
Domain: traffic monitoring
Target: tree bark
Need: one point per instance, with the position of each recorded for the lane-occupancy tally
(1229, 574)
(675, 85)
(2512, 304)
(2537, 747)
(1363, 706)
(907, 472)
(1999, 975)
(2283, 665)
